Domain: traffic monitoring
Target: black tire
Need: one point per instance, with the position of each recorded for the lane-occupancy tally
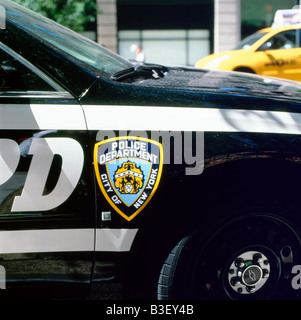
(168, 270)
(200, 267)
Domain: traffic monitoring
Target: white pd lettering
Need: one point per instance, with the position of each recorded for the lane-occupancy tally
(43, 151)
(9, 159)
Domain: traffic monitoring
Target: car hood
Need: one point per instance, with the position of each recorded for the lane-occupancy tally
(237, 89)
(201, 80)
(194, 87)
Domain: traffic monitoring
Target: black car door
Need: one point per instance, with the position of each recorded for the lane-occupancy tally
(46, 190)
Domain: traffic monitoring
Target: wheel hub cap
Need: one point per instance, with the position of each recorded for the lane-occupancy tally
(249, 272)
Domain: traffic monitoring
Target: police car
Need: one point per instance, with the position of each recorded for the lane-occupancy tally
(142, 181)
(273, 51)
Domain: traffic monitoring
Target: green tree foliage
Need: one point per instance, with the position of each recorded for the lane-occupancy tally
(74, 14)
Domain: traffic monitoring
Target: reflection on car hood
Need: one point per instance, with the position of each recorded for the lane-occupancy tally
(227, 82)
(193, 87)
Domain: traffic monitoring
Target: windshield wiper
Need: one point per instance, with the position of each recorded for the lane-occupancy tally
(141, 70)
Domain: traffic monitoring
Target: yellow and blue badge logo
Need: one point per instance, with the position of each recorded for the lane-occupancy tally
(128, 170)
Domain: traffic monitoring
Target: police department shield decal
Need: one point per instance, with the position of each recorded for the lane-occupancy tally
(128, 171)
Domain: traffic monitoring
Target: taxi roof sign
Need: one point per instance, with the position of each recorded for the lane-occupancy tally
(287, 17)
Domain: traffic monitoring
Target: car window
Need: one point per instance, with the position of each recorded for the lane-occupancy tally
(250, 40)
(87, 53)
(283, 40)
(15, 76)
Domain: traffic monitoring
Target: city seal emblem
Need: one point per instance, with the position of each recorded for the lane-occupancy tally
(128, 171)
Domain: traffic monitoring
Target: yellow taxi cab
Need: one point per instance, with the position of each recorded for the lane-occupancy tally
(273, 51)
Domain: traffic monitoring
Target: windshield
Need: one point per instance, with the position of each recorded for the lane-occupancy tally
(250, 40)
(72, 44)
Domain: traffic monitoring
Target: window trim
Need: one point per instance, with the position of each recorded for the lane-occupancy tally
(36, 94)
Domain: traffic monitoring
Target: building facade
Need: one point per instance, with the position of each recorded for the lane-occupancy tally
(179, 32)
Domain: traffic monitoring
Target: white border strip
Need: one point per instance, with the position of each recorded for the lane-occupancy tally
(146, 118)
(53, 240)
(66, 240)
(42, 117)
(114, 239)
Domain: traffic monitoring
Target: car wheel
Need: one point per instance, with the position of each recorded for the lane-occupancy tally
(250, 257)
